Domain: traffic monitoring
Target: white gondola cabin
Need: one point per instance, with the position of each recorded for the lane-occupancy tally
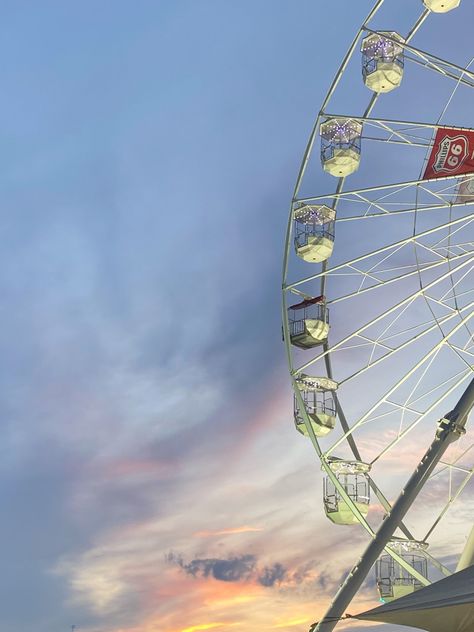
(354, 478)
(314, 232)
(441, 6)
(340, 146)
(309, 322)
(394, 581)
(382, 61)
(318, 397)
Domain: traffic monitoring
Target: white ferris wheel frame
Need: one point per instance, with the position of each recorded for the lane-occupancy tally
(398, 132)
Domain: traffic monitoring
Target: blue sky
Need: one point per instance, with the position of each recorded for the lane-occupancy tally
(151, 475)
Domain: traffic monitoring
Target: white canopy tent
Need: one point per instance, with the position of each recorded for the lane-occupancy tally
(445, 606)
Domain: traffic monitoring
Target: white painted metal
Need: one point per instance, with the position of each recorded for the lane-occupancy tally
(450, 429)
(427, 268)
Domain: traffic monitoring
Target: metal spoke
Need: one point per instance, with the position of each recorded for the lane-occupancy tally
(389, 311)
(408, 240)
(414, 368)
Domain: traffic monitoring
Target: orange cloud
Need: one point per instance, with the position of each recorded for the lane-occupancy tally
(207, 626)
(218, 594)
(232, 601)
(231, 531)
(182, 604)
(291, 623)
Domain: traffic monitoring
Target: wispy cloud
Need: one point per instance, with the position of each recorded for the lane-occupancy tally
(228, 570)
(207, 626)
(209, 533)
(234, 569)
(271, 575)
(291, 623)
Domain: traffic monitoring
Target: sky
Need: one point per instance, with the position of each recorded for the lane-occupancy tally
(151, 476)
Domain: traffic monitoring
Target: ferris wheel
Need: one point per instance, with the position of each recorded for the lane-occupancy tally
(378, 298)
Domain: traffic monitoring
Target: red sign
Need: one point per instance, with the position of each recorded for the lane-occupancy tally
(452, 153)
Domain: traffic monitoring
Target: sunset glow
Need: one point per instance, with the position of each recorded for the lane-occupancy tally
(231, 531)
(152, 476)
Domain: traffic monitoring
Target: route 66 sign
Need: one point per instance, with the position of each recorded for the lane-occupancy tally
(452, 153)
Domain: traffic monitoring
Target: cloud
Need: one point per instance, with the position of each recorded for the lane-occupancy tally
(271, 575)
(232, 531)
(292, 622)
(244, 568)
(206, 626)
(233, 569)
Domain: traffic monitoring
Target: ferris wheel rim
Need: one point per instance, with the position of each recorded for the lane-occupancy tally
(340, 186)
(294, 372)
